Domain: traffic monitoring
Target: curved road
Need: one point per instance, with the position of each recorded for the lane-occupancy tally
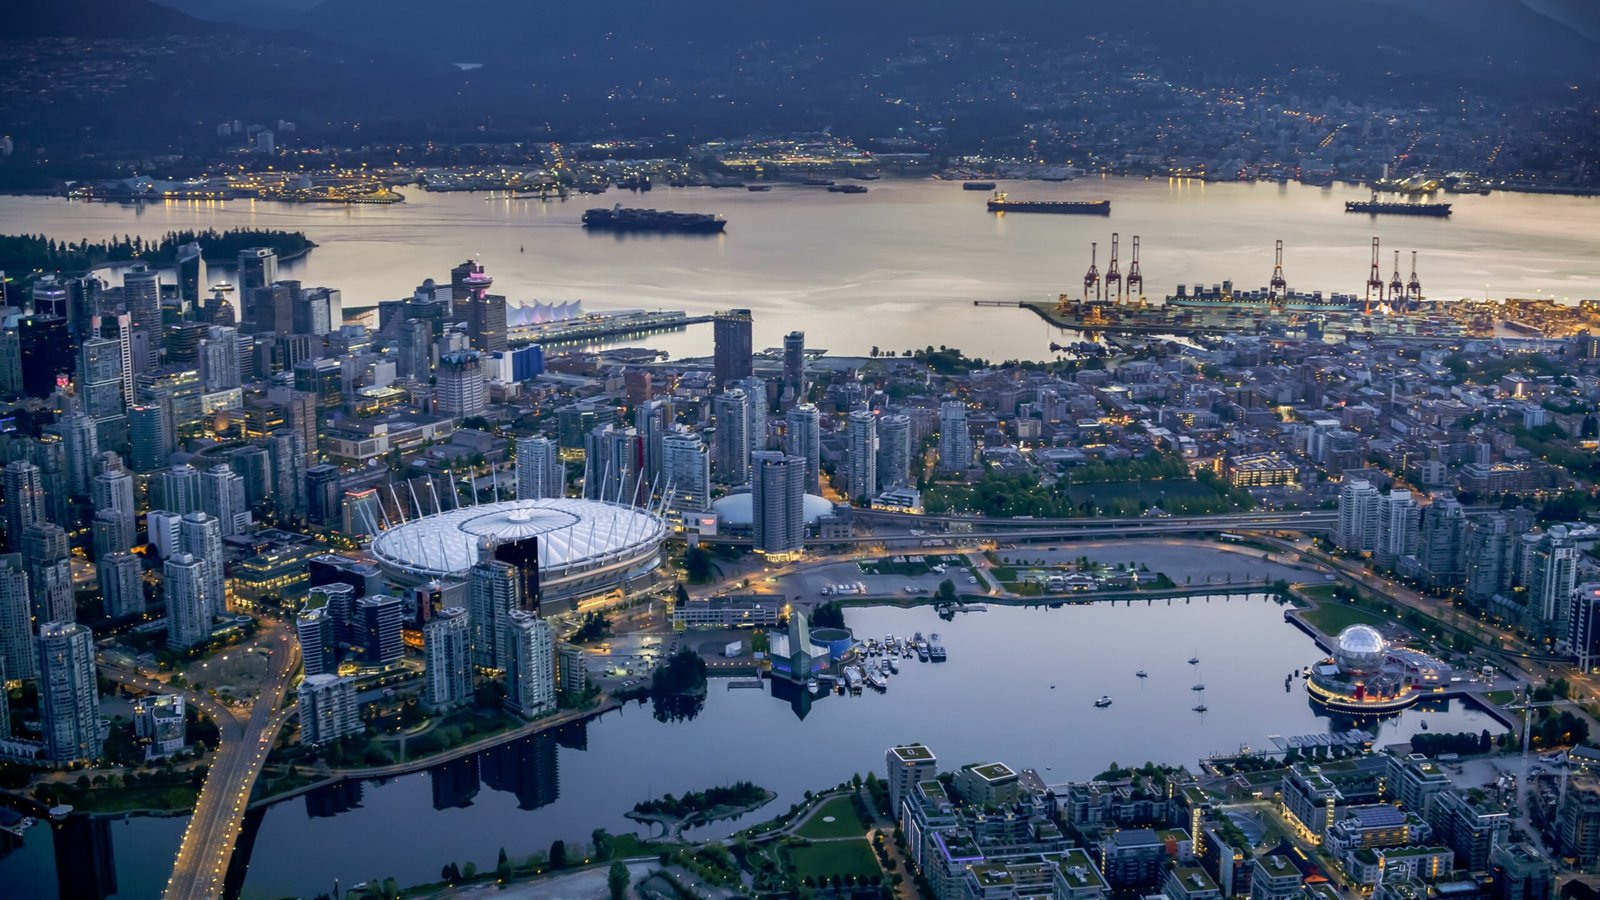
(211, 706)
(202, 862)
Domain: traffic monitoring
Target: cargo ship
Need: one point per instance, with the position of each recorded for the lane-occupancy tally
(977, 185)
(1378, 207)
(847, 189)
(618, 218)
(1001, 203)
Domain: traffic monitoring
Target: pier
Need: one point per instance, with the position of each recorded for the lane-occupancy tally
(596, 327)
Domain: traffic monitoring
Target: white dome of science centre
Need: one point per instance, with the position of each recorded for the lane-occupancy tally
(739, 509)
(1359, 650)
(574, 536)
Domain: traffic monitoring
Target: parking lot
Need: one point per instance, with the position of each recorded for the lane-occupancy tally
(820, 584)
(627, 656)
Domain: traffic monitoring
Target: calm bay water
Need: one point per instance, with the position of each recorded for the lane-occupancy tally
(898, 267)
(1019, 687)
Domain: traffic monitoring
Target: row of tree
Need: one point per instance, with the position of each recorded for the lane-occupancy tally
(36, 252)
(1434, 743)
(1170, 487)
(740, 793)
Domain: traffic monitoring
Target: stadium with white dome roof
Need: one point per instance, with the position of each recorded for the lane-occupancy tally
(585, 549)
(1368, 675)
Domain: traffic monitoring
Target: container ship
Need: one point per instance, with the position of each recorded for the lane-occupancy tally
(1001, 203)
(1378, 207)
(1225, 296)
(649, 220)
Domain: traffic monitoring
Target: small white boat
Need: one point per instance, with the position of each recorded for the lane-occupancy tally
(1201, 708)
(1103, 702)
(811, 686)
(1194, 660)
(1142, 674)
(1198, 687)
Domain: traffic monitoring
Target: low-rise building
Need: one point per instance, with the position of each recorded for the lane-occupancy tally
(1274, 876)
(1315, 796)
(1261, 470)
(1189, 883)
(1008, 880)
(158, 725)
(731, 611)
(1376, 825)
(1375, 865)
(1415, 780)
(1521, 872)
(1077, 878)
(1132, 856)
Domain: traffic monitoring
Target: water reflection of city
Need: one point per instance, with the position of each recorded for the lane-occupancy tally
(527, 768)
(1339, 722)
(85, 866)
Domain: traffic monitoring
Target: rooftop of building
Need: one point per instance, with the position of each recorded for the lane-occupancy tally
(1277, 864)
(740, 602)
(1193, 878)
(1135, 837)
(909, 753)
(993, 773)
(1425, 767)
(992, 874)
(1079, 871)
(1322, 890)
(1376, 815)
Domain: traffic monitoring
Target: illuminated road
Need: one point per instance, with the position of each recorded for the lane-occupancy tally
(1221, 520)
(1067, 529)
(202, 862)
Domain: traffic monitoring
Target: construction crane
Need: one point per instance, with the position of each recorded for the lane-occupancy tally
(1527, 707)
(1091, 278)
(1135, 281)
(1113, 274)
(1397, 288)
(1279, 286)
(1374, 279)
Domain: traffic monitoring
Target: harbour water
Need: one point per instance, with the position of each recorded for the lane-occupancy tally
(897, 267)
(1019, 687)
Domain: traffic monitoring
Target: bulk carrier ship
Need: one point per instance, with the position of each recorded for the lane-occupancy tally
(1002, 204)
